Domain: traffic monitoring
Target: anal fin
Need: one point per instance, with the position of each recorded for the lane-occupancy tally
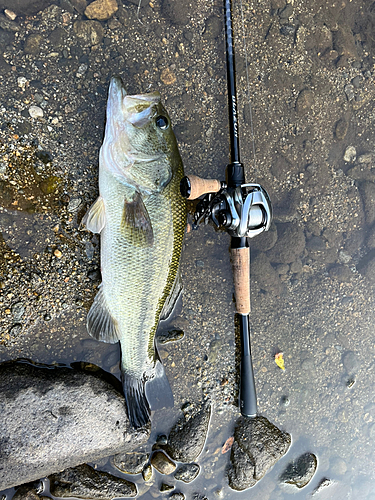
(100, 323)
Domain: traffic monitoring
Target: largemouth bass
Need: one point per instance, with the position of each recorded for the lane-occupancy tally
(141, 217)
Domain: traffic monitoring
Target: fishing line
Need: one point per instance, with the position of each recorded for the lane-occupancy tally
(138, 10)
(248, 89)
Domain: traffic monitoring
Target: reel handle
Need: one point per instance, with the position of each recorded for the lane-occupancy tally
(193, 187)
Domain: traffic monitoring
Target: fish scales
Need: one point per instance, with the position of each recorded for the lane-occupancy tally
(141, 217)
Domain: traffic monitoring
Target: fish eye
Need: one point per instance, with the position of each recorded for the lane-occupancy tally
(162, 122)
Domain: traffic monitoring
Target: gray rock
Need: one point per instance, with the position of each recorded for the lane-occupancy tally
(170, 336)
(177, 12)
(18, 310)
(266, 240)
(57, 37)
(343, 42)
(7, 24)
(89, 32)
(213, 28)
(367, 267)
(165, 487)
(300, 471)
(177, 496)
(258, 445)
(323, 484)
(265, 275)
(341, 128)
(350, 361)
(290, 244)
(187, 437)
(86, 482)
(32, 44)
(187, 473)
(367, 191)
(188, 131)
(147, 473)
(52, 419)
(341, 273)
(26, 492)
(130, 463)
(305, 102)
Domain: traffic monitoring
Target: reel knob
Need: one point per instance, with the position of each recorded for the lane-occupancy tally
(224, 218)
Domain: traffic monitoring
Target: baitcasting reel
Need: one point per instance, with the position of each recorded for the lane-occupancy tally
(244, 211)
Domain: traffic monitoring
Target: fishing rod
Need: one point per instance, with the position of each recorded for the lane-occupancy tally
(244, 211)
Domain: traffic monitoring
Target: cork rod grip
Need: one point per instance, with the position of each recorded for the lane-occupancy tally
(241, 277)
(201, 186)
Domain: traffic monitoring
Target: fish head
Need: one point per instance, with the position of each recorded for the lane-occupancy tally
(139, 145)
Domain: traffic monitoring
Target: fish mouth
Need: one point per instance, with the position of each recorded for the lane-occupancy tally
(136, 109)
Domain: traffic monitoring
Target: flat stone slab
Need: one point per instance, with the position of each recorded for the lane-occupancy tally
(56, 418)
(85, 482)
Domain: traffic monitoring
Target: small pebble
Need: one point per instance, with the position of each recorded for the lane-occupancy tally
(74, 204)
(18, 310)
(187, 472)
(162, 440)
(162, 463)
(167, 77)
(15, 330)
(147, 473)
(36, 112)
(366, 158)
(285, 401)
(21, 82)
(57, 253)
(10, 14)
(177, 496)
(350, 154)
(356, 81)
(349, 91)
(350, 382)
(81, 70)
(166, 487)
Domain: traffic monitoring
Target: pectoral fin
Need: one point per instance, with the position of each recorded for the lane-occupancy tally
(94, 219)
(136, 223)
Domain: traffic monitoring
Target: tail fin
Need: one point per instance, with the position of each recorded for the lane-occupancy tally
(151, 392)
(137, 405)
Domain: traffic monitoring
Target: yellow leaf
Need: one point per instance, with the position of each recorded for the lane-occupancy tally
(279, 360)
